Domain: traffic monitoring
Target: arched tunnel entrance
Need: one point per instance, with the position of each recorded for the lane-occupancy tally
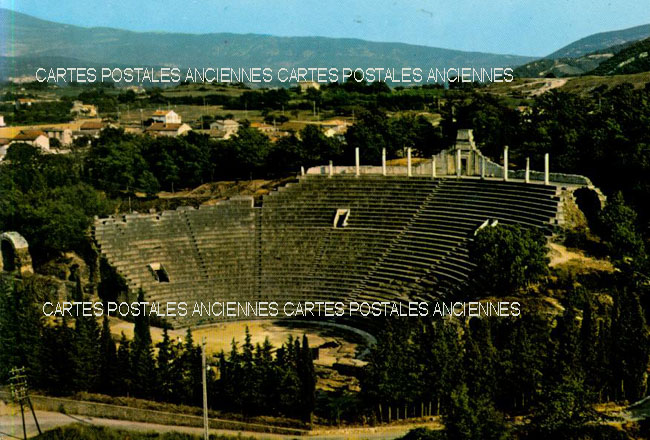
(589, 203)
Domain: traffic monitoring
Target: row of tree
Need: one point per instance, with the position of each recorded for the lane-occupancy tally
(75, 354)
(552, 369)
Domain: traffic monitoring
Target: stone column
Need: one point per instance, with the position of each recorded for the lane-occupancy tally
(357, 162)
(505, 163)
(302, 171)
(383, 161)
(546, 170)
(482, 167)
(527, 176)
(433, 166)
(408, 162)
(458, 163)
(331, 169)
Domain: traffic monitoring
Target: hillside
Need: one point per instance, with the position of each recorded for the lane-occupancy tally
(633, 59)
(25, 36)
(585, 55)
(600, 41)
(561, 67)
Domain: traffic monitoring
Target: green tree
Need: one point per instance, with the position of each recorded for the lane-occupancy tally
(143, 377)
(631, 346)
(470, 418)
(507, 258)
(307, 375)
(191, 377)
(87, 352)
(617, 225)
(166, 373)
(21, 325)
(124, 373)
(565, 407)
(108, 361)
(371, 133)
(316, 148)
(57, 358)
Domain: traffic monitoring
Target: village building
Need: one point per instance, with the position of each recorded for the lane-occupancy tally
(166, 117)
(35, 138)
(2, 121)
(63, 135)
(264, 128)
(224, 128)
(84, 110)
(90, 128)
(24, 102)
(335, 128)
(161, 129)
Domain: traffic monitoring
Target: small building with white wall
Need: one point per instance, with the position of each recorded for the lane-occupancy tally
(224, 128)
(35, 138)
(63, 135)
(166, 117)
(172, 130)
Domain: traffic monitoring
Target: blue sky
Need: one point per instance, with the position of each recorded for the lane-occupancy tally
(524, 27)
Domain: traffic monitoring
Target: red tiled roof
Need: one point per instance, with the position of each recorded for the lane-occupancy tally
(159, 126)
(28, 135)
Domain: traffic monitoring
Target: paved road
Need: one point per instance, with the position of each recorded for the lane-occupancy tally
(11, 428)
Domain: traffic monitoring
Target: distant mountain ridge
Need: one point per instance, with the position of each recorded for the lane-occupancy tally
(25, 36)
(600, 41)
(585, 56)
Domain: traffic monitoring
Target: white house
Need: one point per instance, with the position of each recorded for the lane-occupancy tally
(224, 128)
(2, 121)
(166, 117)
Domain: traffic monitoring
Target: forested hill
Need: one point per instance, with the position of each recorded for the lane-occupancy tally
(586, 55)
(633, 59)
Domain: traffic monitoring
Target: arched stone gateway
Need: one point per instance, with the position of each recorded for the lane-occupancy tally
(15, 255)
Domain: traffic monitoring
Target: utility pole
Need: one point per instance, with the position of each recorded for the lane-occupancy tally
(206, 433)
(18, 386)
(205, 111)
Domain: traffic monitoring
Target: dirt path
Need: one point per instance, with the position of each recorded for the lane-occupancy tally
(11, 427)
(549, 84)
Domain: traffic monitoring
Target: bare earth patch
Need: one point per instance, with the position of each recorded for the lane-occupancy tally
(576, 259)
